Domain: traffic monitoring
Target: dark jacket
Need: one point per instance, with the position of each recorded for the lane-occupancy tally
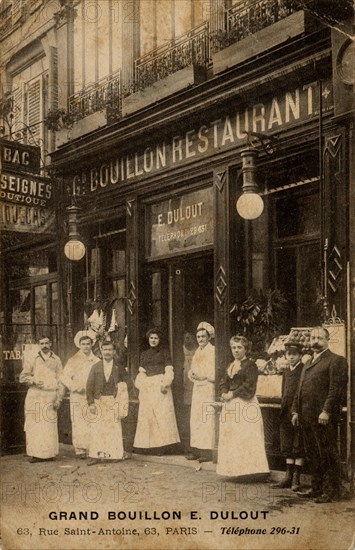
(96, 381)
(290, 381)
(243, 384)
(322, 387)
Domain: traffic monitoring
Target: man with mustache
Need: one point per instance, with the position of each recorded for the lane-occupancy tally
(42, 402)
(317, 408)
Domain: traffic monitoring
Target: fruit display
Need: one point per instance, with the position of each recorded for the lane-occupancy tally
(301, 335)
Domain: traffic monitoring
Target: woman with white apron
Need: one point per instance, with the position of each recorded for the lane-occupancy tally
(241, 446)
(156, 425)
(202, 375)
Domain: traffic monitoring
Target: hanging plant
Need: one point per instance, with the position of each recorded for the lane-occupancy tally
(57, 119)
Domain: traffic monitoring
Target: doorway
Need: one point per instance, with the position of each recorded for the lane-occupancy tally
(180, 297)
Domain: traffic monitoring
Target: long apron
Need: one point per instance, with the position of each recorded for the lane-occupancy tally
(41, 423)
(156, 426)
(106, 430)
(202, 415)
(80, 422)
(241, 446)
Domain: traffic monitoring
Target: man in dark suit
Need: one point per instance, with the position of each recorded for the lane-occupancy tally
(107, 397)
(317, 408)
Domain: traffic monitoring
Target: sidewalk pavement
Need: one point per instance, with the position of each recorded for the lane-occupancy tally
(66, 453)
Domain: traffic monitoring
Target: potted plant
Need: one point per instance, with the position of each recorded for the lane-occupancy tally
(260, 318)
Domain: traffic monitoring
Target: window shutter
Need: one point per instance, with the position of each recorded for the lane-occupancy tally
(53, 78)
(17, 124)
(34, 111)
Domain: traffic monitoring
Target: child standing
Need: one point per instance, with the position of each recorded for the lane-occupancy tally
(290, 436)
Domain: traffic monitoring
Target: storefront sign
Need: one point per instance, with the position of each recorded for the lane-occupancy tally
(26, 219)
(266, 115)
(25, 189)
(17, 157)
(24, 194)
(181, 224)
(11, 354)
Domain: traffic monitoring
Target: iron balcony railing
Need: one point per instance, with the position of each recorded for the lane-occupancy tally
(249, 17)
(191, 48)
(105, 94)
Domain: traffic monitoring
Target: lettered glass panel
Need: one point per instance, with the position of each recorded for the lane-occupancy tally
(40, 305)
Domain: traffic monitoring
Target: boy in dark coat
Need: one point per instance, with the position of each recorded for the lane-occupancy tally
(290, 436)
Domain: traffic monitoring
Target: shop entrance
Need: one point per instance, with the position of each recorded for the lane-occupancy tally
(180, 297)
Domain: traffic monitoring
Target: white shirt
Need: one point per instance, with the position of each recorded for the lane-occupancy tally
(107, 369)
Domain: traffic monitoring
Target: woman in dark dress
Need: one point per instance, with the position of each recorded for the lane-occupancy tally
(241, 447)
(156, 425)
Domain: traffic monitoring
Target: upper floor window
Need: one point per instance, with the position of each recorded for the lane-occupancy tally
(97, 41)
(29, 98)
(161, 21)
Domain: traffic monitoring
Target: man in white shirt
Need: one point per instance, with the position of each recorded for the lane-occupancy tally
(41, 403)
(74, 377)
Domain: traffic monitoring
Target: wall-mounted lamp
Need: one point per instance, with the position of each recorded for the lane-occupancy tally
(250, 204)
(74, 249)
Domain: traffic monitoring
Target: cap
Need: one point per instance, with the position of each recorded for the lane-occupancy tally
(82, 333)
(206, 326)
(293, 345)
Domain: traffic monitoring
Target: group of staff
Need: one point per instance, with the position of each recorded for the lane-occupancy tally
(311, 402)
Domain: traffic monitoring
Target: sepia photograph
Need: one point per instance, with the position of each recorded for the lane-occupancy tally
(177, 274)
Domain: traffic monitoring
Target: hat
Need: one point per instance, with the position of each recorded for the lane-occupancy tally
(82, 333)
(206, 326)
(293, 345)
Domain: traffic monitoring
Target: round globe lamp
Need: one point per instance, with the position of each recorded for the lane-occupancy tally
(74, 250)
(250, 205)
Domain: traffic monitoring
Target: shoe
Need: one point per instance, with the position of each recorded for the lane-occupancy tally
(204, 459)
(94, 461)
(296, 482)
(322, 499)
(192, 457)
(82, 456)
(286, 482)
(311, 493)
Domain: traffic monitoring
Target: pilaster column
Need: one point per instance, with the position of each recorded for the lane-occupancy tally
(132, 280)
(221, 269)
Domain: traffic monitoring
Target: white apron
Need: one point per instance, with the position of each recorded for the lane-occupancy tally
(156, 425)
(41, 423)
(241, 446)
(202, 421)
(80, 422)
(105, 430)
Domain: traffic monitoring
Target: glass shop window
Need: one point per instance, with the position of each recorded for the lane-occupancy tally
(296, 245)
(105, 280)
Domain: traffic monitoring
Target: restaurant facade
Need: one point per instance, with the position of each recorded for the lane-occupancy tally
(152, 178)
